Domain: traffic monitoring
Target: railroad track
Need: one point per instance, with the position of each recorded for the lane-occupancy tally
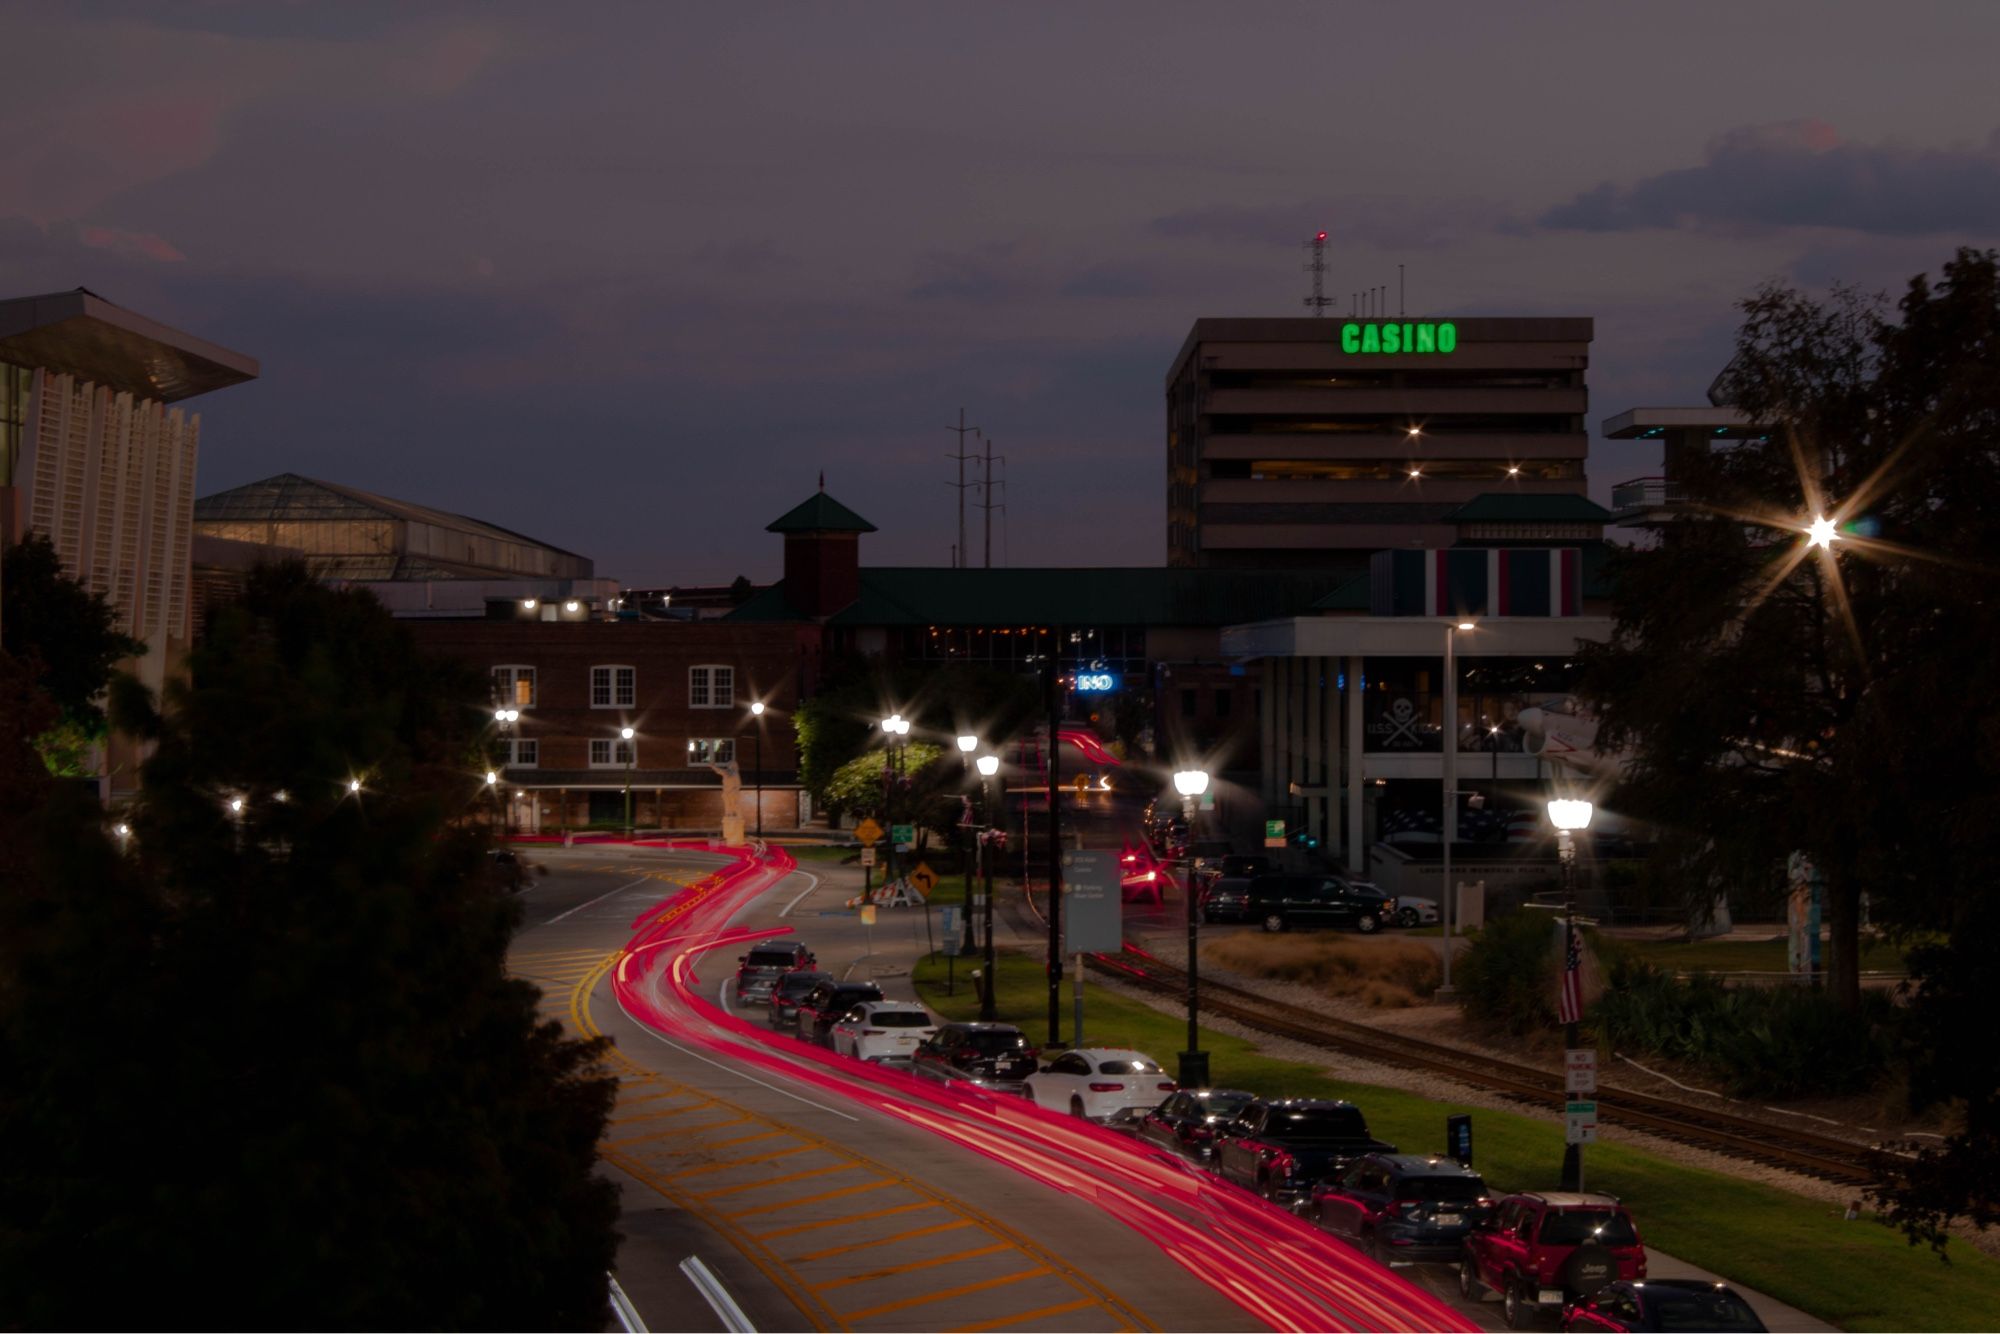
(1802, 1151)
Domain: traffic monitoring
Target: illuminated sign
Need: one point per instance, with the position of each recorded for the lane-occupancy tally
(1096, 683)
(1398, 338)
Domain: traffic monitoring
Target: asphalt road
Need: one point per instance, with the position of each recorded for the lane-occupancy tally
(816, 1211)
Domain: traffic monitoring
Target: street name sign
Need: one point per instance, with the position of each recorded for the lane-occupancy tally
(1092, 911)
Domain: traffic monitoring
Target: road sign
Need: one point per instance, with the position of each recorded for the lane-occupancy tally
(950, 929)
(1092, 914)
(1274, 833)
(868, 856)
(867, 914)
(902, 834)
(1579, 1071)
(1580, 1122)
(924, 878)
(868, 831)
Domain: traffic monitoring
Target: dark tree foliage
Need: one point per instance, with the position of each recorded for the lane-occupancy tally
(843, 718)
(71, 633)
(1837, 704)
(269, 1069)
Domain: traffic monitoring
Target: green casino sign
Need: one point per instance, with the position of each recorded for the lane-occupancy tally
(1394, 339)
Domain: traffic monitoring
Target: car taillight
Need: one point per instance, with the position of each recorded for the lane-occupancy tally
(1200, 1132)
(1107, 1088)
(1284, 1164)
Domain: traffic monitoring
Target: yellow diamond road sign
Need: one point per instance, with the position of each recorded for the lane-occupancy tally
(868, 832)
(924, 878)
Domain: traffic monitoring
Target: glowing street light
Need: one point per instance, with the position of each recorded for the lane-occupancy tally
(626, 734)
(1821, 533)
(1191, 783)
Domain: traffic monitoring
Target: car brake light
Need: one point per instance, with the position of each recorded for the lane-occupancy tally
(1200, 1132)
(1170, 1087)
(1107, 1088)
(1283, 1163)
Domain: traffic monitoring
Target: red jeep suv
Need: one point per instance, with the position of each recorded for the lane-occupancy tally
(1543, 1249)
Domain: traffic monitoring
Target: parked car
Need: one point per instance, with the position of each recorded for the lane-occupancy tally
(1411, 911)
(882, 1030)
(1281, 1147)
(1403, 1206)
(789, 991)
(826, 1002)
(1282, 902)
(1187, 1122)
(759, 970)
(1544, 1250)
(995, 1056)
(1664, 1304)
(1100, 1083)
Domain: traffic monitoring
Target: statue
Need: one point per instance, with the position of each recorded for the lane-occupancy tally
(732, 804)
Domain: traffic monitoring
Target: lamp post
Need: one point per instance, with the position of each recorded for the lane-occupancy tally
(1449, 830)
(627, 735)
(757, 714)
(966, 745)
(493, 784)
(1191, 783)
(896, 727)
(988, 766)
(1569, 816)
(504, 718)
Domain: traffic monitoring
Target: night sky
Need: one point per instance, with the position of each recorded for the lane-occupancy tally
(627, 277)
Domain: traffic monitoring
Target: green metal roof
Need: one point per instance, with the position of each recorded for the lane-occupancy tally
(1139, 597)
(820, 513)
(1500, 507)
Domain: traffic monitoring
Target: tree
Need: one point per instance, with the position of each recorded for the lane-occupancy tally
(70, 636)
(1782, 693)
(273, 1051)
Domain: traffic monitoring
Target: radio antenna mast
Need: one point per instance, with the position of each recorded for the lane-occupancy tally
(1319, 300)
(958, 557)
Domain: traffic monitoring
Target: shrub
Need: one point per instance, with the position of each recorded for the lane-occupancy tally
(1507, 974)
(1386, 974)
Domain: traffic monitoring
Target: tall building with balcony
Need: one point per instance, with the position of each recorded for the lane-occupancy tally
(1316, 442)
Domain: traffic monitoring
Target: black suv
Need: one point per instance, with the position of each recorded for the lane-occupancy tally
(991, 1055)
(761, 968)
(826, 1003)
(1281, 902)
(1403, 1206)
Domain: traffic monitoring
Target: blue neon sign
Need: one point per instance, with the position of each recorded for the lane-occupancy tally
(1096, 683)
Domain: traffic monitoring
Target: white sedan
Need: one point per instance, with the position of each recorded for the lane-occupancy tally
(1416, 912)
(1100, 1083)
(882, 1030)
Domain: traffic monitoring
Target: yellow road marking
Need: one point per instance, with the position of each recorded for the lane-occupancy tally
(818, 1223)
(912, 1266)
(742, 1186)
(815, 1199)
(624, 1101)
(686, 1132)
(914, 1232)
(1026, 1316)
(963, 1290)
(724, 1164)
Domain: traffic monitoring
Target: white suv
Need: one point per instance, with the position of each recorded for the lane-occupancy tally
(882, 1030)
(1101, 1083)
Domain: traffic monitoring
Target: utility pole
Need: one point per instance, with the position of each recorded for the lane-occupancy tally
(1052, 686)
(958, 557)
(986, 496)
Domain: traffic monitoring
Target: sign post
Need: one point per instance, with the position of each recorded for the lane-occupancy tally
(868, 834)
(1274, 833)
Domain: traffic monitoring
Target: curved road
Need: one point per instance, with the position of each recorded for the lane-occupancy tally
(830, 1195)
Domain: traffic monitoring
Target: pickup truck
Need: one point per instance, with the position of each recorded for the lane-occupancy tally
(1282, 1147)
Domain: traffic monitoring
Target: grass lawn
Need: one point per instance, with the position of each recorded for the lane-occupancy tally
(1858, 1275)
(1763, 956)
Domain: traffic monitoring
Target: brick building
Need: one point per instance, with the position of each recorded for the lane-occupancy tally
(684, 688)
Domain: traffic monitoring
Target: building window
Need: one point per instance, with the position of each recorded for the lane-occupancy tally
(1190, 703)
(514, 686)
(711, 750)
(520, 754)
(711, 687)
(610, 753)
(613, 687)
(1222, 703)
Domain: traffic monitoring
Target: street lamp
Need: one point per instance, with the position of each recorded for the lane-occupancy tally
(757, 712)
(895, 726)
(1191, 783)
(505, 718)
(626, 735)
(988, 766)
(1449, 830)
(1569, 815)
(966, 745)
(492, 784)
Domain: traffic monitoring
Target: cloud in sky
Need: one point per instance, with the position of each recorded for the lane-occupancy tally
(1801, 173)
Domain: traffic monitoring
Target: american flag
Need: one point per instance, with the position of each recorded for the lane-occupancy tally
(1569, 1002)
